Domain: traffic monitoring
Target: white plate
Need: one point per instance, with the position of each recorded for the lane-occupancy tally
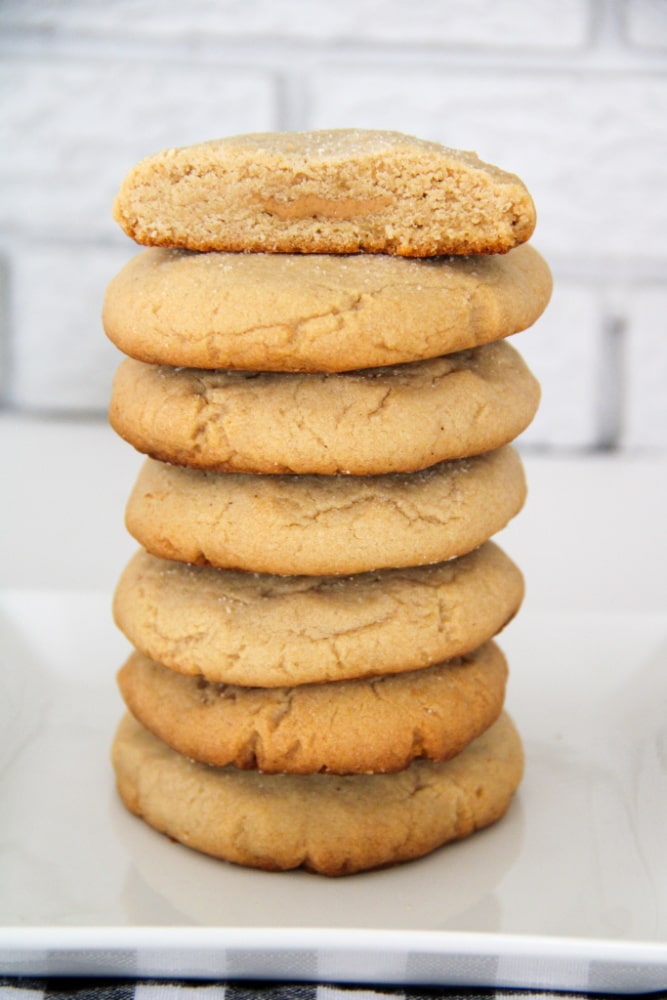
(568, 891)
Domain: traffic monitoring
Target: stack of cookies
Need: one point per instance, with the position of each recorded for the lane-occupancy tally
(317, 369)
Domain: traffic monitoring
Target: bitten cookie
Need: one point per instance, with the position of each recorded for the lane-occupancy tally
(273, 631)
(324, 525)
(332, 824)
(338, 191)
(299, 312)
(397, 419)
(346, 727)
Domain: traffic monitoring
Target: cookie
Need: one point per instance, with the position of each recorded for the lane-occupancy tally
(299, 312)
(277, 631)
(345, 727)
(271, 631)
(397, 419)
(337, 191)
(326, 823)
(324, 525)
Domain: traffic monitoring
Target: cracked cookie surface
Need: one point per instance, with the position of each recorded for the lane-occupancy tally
(270, 631)
(326, 191)
(326, 823)
(302, 312)
(394, 419)
(324, 525)
(375, 725)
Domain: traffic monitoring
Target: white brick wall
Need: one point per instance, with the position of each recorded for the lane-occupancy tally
(569, 94)
(448, 22)
(566, 347)
(645, 23)
(64, 361)
(645, 401)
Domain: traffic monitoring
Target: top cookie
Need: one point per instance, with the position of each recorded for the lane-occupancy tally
(340, 191)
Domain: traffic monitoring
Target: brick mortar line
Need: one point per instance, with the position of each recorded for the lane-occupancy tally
(599, 270)
(611, 383)
(277, 52)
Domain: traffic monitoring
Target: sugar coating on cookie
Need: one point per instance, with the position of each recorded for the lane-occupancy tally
(337, 191)
(303, 312)
(323, 525)
(376, 725)
(271, 631)
(326, 823)
(393, 419)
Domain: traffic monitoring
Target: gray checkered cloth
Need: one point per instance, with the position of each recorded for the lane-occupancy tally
(87, 989)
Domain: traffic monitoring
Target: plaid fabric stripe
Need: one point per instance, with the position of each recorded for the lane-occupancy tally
(85, 989)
